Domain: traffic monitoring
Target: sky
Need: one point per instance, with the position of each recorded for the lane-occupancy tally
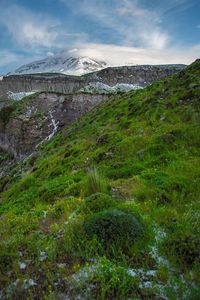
(116, 31)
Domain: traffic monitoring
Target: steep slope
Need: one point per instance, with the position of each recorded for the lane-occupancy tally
(145, 148)
(26, 123)
(62, 63)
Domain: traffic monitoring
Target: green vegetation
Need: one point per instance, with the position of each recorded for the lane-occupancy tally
(15, 108)
(114, 229)
(6, 112)
(98, 202)
(95, 183)
(129, 230)
(108, 279)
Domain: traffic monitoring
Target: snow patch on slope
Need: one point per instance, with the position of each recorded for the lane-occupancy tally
(99, 87)
(54, 124)
(18, 96)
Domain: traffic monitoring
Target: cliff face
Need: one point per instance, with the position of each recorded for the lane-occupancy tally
(39, 118)
(59, 83)
(136, 75)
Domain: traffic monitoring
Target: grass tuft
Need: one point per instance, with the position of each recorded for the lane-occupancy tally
(95, 183)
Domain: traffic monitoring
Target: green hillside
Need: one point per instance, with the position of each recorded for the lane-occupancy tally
(109, 208)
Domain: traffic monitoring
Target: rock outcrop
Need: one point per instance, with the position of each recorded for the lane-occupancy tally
(39, 118)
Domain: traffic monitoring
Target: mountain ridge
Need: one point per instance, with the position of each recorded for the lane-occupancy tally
(61, 64)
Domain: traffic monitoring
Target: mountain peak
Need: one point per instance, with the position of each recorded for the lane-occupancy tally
(62, 63)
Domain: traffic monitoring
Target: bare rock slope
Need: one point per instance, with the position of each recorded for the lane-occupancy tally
(26, 124)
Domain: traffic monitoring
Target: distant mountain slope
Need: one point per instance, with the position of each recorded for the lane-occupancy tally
(60, 63)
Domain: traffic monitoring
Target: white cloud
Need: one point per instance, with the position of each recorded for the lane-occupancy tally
(28, 29)
(73, 51)
(130, 23)
(129, 8)
(35, 30)
(147, 22)
(155, 39)
(36, 35)
(50, 54)
(121, 55)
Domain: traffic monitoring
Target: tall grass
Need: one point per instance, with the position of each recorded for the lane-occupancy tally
(95, 183)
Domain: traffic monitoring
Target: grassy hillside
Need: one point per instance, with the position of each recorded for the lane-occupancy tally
(109, 209)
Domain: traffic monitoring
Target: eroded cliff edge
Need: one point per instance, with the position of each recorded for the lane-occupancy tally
(59, 83)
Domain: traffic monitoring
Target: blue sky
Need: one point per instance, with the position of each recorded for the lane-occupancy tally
(117, 31)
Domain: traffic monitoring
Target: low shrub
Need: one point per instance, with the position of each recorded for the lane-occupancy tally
(186, 248)
(6, 261)
(114, 228)
(6, 112)
(98, 202)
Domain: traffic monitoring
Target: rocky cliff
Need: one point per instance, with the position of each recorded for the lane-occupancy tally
(60, 83)
(27, 123)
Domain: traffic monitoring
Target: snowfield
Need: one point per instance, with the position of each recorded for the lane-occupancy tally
(99, 87)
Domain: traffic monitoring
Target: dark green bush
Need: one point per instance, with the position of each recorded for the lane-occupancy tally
(186, 248)
(6, 260)
(114, 228)
(98, 202)
(6, 112)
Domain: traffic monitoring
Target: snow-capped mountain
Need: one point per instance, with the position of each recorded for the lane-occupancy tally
(61, 63)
